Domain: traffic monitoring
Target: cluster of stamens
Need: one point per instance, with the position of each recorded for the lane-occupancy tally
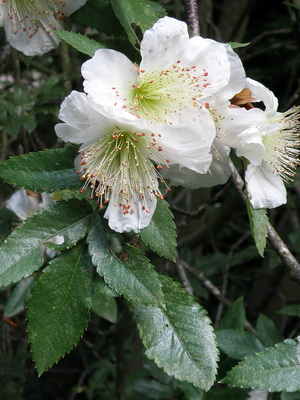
(283, 145)
(26, 15)
(117, 168)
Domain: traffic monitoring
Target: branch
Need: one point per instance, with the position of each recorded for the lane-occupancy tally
(277, 243)
(193, 20)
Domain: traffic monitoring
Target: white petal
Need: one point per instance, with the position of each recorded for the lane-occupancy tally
(109, 76)
(266, 190)
(22, 204)
(163, 43)
(263, 94)
(251, 145)
(82, 122)
(132, 221)
(71, 6)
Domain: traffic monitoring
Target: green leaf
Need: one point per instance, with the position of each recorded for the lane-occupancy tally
(134, 278)
(42, 171)
(104, 305)
(293, 310)
(142, 13)
(20, 253)
(236, 45)
(275, 369)
(234, 317)
(81, 43)
(160, 235)
(178, 336)
(267, 331)
(226, 394)
(58, 309)
(259, 226)
(238, 345)
(16, 301)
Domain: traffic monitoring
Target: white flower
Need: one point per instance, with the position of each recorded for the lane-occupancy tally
(122, 157)
(178, 79)
(28, 23)
(24, 204)
(269, 141)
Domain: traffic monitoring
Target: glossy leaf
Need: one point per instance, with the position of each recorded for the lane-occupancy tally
(258, 223)
(58, 307)
(267, 332)
(20, 253)
(275, 369)
(135, 277)
(160, 235)
(81, 43)
(178, 336)
(42, 171)
(238, 344)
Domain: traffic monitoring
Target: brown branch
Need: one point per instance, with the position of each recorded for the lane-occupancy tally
(193, 20)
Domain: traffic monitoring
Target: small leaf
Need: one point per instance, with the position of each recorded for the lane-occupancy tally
(236, 45)
(160, 235)
(58, 307)
(258, 224)
(20, 253)
(16, 301)
(143, 13)
(238, 344)
(234, 317)
(276, 369)
(42, 171)
(81, 43)
(178, 336)
(104, 305)
(135, 278)
(267, 332)
(293, 310)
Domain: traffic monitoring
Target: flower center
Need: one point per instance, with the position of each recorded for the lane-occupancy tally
(283, 145)
(27, 14)
(117, 168)
(159, 94)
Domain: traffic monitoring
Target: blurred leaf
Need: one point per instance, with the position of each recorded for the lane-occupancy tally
(297, 6)
(236, 45)
(160, 235)
(20, 253)
(42, 171)
(275, 369)
(267, 332)
(135, 278)
(19, 295)
(226, 394)
(81, 43)
(178, 336)
(293, 310)
(142, 13)
(238, 345)
(234, 317)
(290, 396)
(258, 224)
(58, 307)
(190, 391)
(156, 390)
(103, 305)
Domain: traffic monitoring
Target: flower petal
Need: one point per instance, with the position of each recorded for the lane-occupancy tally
(266, 190)
(22, 204)
(251, 145)
(263, 94)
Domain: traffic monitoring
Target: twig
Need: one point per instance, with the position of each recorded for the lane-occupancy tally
(277, 243)
(183, 275)
(193, 20)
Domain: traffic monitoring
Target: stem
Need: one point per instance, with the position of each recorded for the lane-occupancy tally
(277, 243)
(193, 20)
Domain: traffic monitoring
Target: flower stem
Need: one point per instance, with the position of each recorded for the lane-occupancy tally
(193, 19)
(277, 243)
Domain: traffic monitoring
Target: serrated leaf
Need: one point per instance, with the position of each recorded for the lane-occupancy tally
(178, 336)
(58, 309)
(234, 317)
(81, 43)
(238, 345)
(160, 235)
(293, 310)
(267, 331)
(104, 305)
(143, 13)
(42, 171)
(236, 45)
(259, 226)
(134, 278)
(20, 253)
(275, 369)
(16, 301)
